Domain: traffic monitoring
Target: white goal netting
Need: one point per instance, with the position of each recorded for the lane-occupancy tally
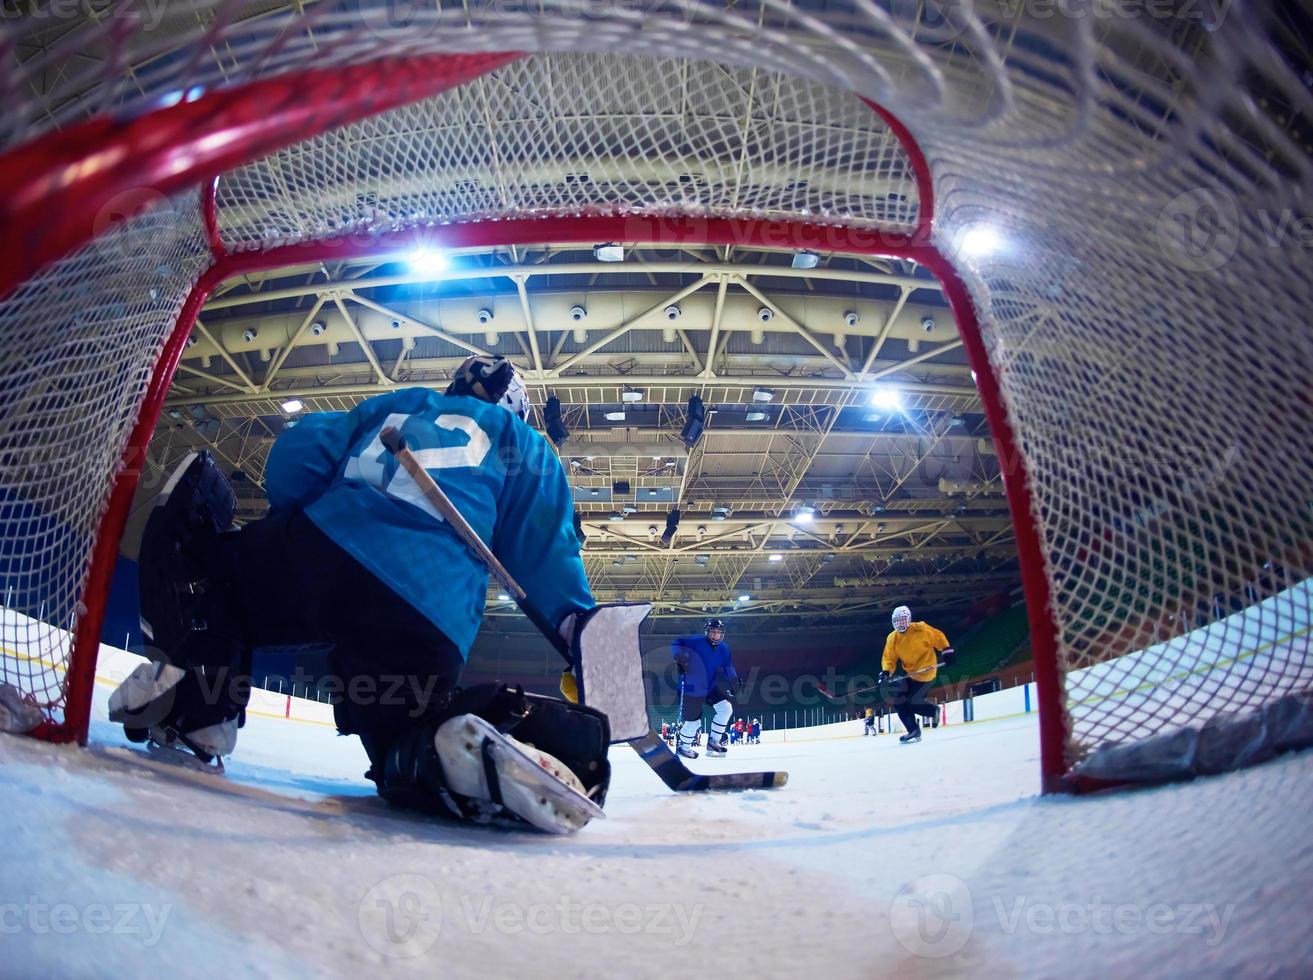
(1125, 192)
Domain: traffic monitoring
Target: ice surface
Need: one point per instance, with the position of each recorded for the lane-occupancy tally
(876, 859)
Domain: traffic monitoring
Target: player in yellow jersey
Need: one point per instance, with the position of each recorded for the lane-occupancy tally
(918, 647)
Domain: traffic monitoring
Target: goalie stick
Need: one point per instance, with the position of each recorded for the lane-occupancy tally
(650, 748)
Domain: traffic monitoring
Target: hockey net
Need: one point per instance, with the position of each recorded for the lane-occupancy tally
(1116, 200)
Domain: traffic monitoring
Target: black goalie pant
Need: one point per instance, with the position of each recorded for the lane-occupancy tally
(912, 702)
(291, 584)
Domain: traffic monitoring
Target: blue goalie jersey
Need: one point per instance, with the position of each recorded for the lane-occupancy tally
(500, 473)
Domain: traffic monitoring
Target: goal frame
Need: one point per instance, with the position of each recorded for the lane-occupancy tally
(192, 143)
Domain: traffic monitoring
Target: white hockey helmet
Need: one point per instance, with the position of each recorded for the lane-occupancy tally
(902, 619)
(494, 379)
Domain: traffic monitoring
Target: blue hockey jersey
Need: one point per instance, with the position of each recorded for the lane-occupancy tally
(706, 663)
(500, 473)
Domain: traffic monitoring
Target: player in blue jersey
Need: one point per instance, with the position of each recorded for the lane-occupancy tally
(353, 555)
(708, 677)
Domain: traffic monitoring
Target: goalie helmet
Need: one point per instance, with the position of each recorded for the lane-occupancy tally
(493, 379)
(714, 624)
(902, 619)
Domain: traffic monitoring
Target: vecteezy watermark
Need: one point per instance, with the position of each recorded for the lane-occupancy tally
(934, 916)
(144, 15)
(1280, 229)
(571, 918)
(1199, 230)
(43, 918)
(402, 916)
(147, 224)
(1208, 14)
(1106, 918)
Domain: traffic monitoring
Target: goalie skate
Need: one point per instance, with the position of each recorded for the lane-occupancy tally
(482, 763)
(177, 749)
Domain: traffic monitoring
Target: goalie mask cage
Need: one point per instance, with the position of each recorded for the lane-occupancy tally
(1138, 324)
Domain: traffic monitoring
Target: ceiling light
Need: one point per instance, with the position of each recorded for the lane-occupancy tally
(615, 416)
(887, 397)
(806, 260)
(503, 597)
(426, 261)
(292, 406)
(756, 416)
(745, 598)
(777, 558)
(804, 515)
(979, 240)
(610, 252)
(762, 394)
(632, 395)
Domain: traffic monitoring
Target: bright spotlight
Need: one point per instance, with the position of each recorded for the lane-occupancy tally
(777, 558)
(804, 515)
(887, 398)
(292, 406)
(978, 241)
(426, 261)
(745, 598)
(503, 597)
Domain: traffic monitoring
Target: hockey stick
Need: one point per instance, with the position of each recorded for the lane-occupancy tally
(840, 698)
(650, 748)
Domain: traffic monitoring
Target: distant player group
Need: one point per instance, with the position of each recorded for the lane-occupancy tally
(707, 676)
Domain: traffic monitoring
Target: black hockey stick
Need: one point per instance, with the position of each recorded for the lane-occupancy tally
(650, 747)
(840, 698)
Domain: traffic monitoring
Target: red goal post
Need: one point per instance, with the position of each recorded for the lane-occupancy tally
(1111, 563)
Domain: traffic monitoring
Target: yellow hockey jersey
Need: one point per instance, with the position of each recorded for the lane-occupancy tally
(917, 650)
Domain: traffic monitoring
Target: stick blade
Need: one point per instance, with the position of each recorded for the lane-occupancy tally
(681, 779)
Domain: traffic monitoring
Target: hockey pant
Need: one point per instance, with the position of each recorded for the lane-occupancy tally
(912, 702)
(693, 707)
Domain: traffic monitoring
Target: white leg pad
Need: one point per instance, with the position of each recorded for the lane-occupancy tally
(724, 709)
(535, 786)
(146, 683)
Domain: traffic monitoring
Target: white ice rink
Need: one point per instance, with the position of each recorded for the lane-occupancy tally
(877, 859)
